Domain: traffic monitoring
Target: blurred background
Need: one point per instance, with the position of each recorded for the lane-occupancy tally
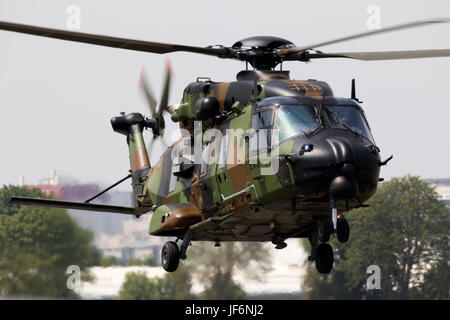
(57, 97)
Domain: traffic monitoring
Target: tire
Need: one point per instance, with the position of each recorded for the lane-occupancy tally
(324, 231)
(324, 258)
(343, 230)
(170, 256)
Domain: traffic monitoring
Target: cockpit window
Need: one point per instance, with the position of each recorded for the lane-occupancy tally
(292, 119)
(351, 118)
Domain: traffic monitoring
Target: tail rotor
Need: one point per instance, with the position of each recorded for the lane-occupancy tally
(156, 120)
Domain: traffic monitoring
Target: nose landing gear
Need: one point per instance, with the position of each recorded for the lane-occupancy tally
(322, 252)
(324, 258)
(342, 229)
(324, 230)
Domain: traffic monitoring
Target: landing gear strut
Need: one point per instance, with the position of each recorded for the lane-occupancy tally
(342, 230)
(324, 230)
(171, 254)
(338, 225)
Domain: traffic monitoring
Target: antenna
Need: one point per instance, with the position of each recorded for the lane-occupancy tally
(353, 95)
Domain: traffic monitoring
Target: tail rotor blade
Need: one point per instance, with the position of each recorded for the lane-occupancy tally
(150, 143)
(146, 89)
(163, 106)
(166, 90)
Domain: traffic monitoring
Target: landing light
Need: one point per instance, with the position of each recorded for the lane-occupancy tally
(306, 148)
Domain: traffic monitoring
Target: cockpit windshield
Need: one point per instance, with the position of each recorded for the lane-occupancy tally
(292, 119)
(351, 118)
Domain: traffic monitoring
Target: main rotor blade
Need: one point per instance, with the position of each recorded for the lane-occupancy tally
(107, 41)
(384, 55)
(366, 34)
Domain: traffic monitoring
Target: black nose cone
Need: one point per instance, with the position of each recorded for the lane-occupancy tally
(343, 188)
(340, 164)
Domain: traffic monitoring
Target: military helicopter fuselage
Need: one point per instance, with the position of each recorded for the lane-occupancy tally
(324, 151)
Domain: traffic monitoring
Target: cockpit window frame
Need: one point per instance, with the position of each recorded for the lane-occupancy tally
(363, 116)
(269, 144)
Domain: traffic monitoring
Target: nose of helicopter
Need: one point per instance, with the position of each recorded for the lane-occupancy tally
(337, 162)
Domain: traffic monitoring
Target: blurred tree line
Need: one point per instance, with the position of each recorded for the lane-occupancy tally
(175, 285)
(37, 245)
(213, 267)
(405, 233)
(108, 261)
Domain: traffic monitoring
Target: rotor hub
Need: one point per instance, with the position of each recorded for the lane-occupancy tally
(261, 51)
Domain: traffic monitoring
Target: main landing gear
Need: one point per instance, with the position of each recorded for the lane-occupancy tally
(321, 251)
(171, 254)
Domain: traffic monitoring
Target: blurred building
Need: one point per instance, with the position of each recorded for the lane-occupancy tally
(49, 186)
(442, 187)
(133, 242)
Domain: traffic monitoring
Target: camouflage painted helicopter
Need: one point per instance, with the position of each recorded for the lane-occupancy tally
(325, 155)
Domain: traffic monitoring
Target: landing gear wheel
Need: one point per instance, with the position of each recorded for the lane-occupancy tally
(170, 256)
(342, 230)
(324, 231)
(324, 258)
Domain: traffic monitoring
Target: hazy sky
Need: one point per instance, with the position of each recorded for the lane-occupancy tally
(57, 97)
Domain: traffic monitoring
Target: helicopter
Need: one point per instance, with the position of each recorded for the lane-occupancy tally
(263, 158)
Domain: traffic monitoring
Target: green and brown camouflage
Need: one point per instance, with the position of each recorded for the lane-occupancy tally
(170, 219)
(258, 206)
(138, 153)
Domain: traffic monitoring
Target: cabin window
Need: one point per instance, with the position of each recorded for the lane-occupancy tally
(205, 159)
(175, 154)
(172, 183)
(261, 139)
(223, 154)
